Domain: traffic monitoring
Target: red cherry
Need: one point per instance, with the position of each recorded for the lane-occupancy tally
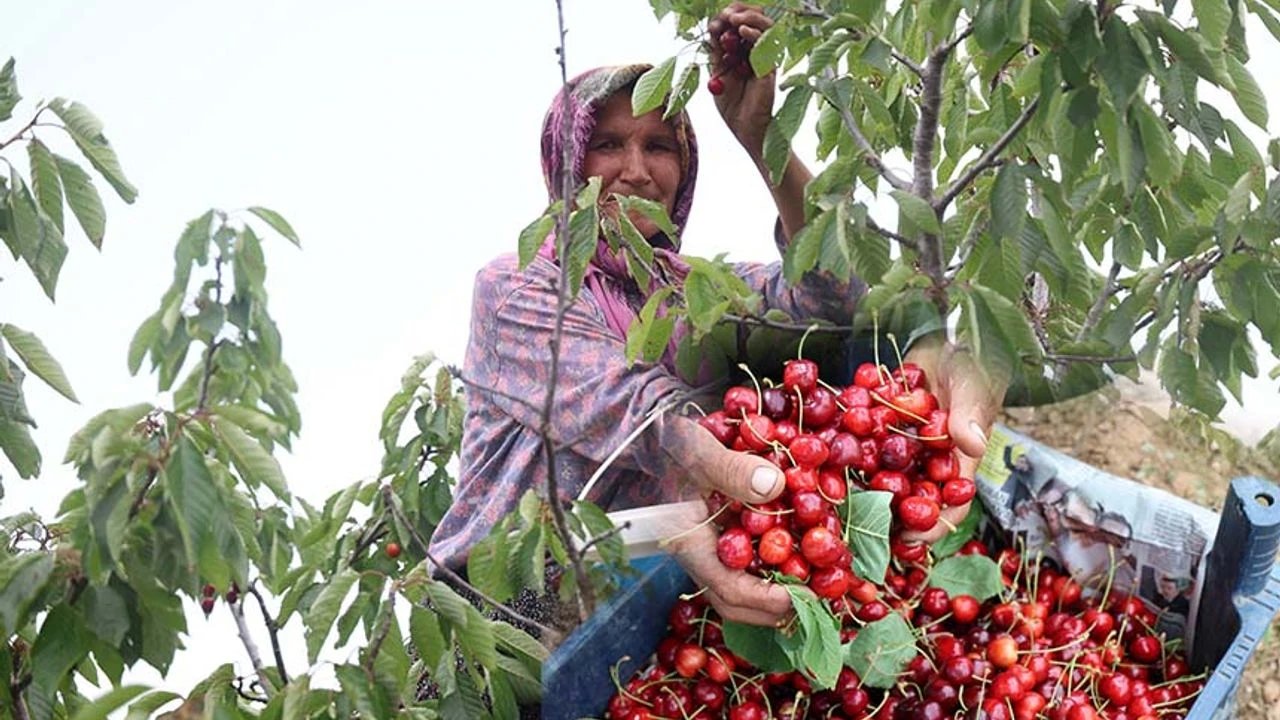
(820, 407)
(756, 432)
(393, 550)
(845, 451)
(757, 520)
(830, 582)
(715, 85)
(854, 396)
(209, 590)
(964, 609)
(690, 659)
(809, 509)
(918, 513)
(918, 402)
(832, 486)
(941, 467)
(776, 402)
(734, 548)
(795, 566)
(821, 547)
(775, 546)
(808, 451)
(958, 492)
(1002, 651)
(800, 375)
(739, 400)
(800, 479)
(892, 481)
(709, 693)
(1145, 648)
(749, 710)
(206, 604)
(867, 376)
(857, 420)
(935, 601)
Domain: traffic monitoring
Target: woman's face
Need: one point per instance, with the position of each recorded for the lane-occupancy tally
(636, 156)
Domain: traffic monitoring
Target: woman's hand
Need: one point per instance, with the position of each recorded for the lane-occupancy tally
(747, 101)
(972, 397)
(710, 466)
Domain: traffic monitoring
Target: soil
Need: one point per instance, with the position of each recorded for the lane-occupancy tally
(1129, 432)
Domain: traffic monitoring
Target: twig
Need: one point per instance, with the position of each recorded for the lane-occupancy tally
(1069, 357)
(951, 44)
(367, 538)
(19, 702)
(906, 62)
(1095, 312)
(605, 535)
(988, 159)
(383, 630)
(868, 153)
(23, 130)
(273, 629)
(457, 579)
(242, 627)
(239, 687)
(886, 232)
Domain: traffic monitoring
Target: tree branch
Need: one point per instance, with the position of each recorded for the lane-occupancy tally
(242, 627)
(1069, 357)
(906, 62)
(988, 159)
(547, 632)
(23, 131)
(1095, 312)
(886, 232)
(868, 153)
(273, 630)
(380, 637)
(929, 246)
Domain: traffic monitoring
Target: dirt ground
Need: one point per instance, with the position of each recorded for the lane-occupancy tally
(1127, 432)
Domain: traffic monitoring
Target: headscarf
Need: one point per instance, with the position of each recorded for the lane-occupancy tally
(607, 275)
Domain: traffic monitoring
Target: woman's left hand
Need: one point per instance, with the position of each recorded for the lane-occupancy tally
(746, 104)
(972, 397)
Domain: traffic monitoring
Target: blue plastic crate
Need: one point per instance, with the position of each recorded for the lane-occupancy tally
(1242, 575)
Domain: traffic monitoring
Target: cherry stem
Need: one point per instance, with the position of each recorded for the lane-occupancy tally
(695, 406)
(799, 411)
(883, 401)
(664, 542)
(759, 391)
(800, 347)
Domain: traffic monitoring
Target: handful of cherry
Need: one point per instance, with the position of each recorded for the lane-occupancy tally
(736, 54)
(884, 432)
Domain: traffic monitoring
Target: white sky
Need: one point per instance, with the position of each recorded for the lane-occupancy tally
(401, 141)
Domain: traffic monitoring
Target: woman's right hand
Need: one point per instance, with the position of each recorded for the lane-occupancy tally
(735, 594)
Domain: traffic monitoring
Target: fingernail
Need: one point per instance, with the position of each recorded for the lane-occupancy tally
(763, 480)
(977, 430)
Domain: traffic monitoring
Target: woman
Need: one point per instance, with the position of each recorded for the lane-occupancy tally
(600, 398)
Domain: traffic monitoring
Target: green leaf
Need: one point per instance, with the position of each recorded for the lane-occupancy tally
(1186, 47)
(20, 448)
(255, 464)
(38, 360)
(1215, 19)
(84, 200)
(815, 643)
(22, 579)
(1237, 204)
(684, 89)
(766, 54)
(38, 240)
(277, 223)
(319, 618)
(45, 182)
(802, 253)
(866, 530)
(61, 644)
(652, 88)
(993, 25)
(963, 533)
(86, 130)
(428, 640)
(654, 211)
(1249, 97)
(1121, 65)
(1164, 161)
(881, 651)
(976, 575)
(758, 646)
(9, 95)
(106, 704)
(1009, 202)
(365, 695)
(918, 211)
(777, 139)
(146, 705)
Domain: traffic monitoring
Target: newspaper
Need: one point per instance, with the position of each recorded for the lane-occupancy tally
(1100, 527)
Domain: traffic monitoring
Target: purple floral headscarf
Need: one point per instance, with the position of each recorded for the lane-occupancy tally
(607, 275)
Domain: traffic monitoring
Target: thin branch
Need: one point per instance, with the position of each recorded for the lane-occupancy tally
(906, 62)
(886, 232)
(868, 153)
(242, 627)
(1095, 312)
(273, 630)
(615, 530)
(458, 580)
(988, 159)
(954, 42)
(925, 141)
(367, 538)
(19, 702)
(23, 130)
(384, 629)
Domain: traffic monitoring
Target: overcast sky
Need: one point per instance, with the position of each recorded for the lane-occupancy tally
(401, 141)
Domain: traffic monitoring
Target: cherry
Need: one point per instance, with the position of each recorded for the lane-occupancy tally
(795, 566)
(845, 450)
(821, 547)
(206, 604)
(756, 432)
(934, 434)
(918, 513)
(739, 400)
(854, 396)
(867, 376)
(809, 508)
(799, 374)
(958, 492)
(709, 694)
(935, 601)
(717, 423)
(799, 479)
(1003, 651)
(1145, 648)
(682, 616)
(892, 481)
(1117, 689)
(393, 550)
(857, 420)
(776, 402)
(775, 546)
(830, 582)
(911, 375)
(853, 701)
(896, 453)
(941, 467)
(964, 609)
(808, 451)
(749, 710)
(832, 486)
(690, 659)
(757, 520)
(918, 402)
(820, 407)
(734, 548)
(209, 590)
(233, 594)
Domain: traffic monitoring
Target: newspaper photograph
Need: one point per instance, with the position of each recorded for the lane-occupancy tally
(1111, 534)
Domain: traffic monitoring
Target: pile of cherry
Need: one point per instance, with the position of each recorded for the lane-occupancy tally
(884, 432)
(736, 54)
(1041, 649)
